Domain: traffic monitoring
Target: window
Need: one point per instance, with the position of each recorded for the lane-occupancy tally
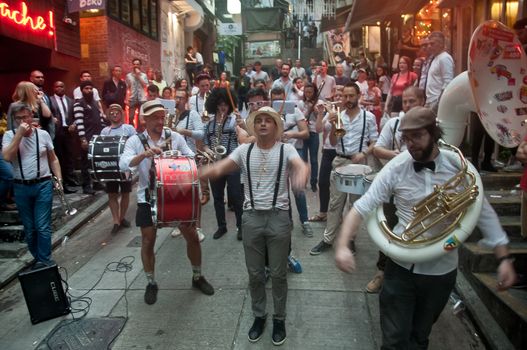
(505, 11)
(138, 14)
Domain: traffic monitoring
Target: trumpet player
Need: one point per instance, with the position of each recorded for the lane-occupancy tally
(353, 147)
(30, 151)
(220, 140)
(414, 294)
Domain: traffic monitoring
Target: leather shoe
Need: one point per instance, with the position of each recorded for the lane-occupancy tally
(202, 284)
(219, 233)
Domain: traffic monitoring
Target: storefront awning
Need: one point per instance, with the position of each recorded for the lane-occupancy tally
(193, 13)
(361, 13)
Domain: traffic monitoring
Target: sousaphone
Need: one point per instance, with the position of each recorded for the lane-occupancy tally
(495, 87)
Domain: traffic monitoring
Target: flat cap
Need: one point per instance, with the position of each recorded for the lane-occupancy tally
(417, 118)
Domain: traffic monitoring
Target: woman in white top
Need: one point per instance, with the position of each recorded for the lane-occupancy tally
(297, 93)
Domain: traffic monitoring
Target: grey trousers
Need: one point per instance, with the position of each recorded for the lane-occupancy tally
(267, 230)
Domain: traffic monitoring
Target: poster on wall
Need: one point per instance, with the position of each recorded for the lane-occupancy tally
(261, 49)
(337, 45)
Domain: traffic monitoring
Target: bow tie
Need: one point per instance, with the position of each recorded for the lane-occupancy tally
(418, 166)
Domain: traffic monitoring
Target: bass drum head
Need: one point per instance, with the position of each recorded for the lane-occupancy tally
(353, 169)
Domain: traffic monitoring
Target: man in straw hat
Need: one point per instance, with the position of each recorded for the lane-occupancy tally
(414, 294)
(138, 153)
(267, 167)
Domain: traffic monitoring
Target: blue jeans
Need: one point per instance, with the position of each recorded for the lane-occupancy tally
(311, 146)
(6, 179)
(34, 207)
(300, 197)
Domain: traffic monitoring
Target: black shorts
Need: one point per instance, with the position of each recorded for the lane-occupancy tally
(143, 216)
(113, 187)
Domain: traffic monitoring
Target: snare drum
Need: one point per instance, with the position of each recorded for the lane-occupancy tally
(103, 154)
(368, 179)
(350, 178)
(177, 197)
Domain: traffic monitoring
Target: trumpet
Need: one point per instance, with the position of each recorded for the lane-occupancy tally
(65, 204)
(204, 115)
(339, 130)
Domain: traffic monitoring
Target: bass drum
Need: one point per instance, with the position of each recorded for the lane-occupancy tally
(103, 155)
(176, 197)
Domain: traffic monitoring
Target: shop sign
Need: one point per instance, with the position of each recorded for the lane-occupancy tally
(24, 19)
(83, 5)
(230, 29)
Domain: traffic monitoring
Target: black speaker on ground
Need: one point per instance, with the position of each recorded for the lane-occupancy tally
(44, 294)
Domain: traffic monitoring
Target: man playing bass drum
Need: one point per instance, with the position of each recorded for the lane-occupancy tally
(138, 155)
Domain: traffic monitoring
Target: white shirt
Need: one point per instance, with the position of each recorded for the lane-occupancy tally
(77, 94)
(122, 130)
(399, 178)
(310, 117)
(291, 124)
(199, 58)
(440, 73)
(387, 136)
(63, 113)
(326, 144)
(28, 153)
(261, 75)
(327, 89)
(297, 72)
(264, 171)
(351, 140)
(363, 87)
(134, 147)
(286, 85)
(197, 103)
(193, 123)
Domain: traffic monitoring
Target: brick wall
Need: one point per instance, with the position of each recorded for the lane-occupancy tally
(94, 48)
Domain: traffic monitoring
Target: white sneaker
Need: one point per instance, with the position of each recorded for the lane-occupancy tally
(514, 167)
(201, 235)
(175, 232)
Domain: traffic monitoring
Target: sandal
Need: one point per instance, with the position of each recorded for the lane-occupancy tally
(318, 217)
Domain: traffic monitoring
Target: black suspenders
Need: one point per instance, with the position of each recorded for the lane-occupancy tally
(277, 182)
(394, 131)
(38, 157)
(361, 136)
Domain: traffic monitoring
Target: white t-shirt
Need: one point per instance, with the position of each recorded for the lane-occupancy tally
(264, 166)
(327, 89)
(260, 76)
(28, 153)
(440, 73)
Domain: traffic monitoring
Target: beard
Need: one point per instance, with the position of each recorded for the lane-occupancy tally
(352, 105)
(423, 155)
(88, 97)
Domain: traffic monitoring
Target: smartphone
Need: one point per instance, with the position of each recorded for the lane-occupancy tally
(286, 107)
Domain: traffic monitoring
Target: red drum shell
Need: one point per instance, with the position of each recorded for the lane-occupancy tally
(177, 190)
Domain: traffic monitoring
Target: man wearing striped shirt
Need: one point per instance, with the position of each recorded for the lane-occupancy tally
(88, 120)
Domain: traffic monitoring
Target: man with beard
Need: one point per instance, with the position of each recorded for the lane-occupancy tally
(352, 148)
(62, 107)
(46, 123)
(284, 81)
(77, 93)
(414, 294)
(88, 121)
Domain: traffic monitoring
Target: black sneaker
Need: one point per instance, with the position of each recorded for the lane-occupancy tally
(352, 247)
(219, 233)
(314, 187)
(239, 234)
(151, 293)
(279, 335)
(204, 286)
(256, 331)
(115, 229)
(320, 248)
(125, 223)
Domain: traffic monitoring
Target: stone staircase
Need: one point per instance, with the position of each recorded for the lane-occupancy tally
(11, 229)
(478, 264)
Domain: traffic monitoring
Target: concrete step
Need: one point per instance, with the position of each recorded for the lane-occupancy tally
(10, 233)
(500, 181)
(9, 217)
(509, 308)
(505, 203)
(511, 225)
(10, 250)
(474, 258)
